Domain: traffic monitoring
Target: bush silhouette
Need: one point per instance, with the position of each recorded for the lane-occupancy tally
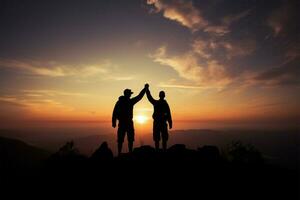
(67, 157)
(240, 153)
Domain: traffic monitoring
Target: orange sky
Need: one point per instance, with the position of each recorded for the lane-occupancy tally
(214, 66)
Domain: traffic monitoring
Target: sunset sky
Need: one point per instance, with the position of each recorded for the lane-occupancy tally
(217, 60)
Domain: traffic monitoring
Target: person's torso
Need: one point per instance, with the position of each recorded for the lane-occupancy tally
(160, 110)
(125, 110)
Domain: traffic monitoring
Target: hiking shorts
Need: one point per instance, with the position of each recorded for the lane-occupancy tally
(126, 128)
(160, 131)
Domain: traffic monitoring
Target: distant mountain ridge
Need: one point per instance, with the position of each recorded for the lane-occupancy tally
(15, 154)
(280, 147)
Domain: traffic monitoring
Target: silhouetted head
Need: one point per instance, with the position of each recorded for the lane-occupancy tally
(162, 94)
(128, 93)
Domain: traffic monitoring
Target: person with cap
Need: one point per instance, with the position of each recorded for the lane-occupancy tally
(123, 112)
(161, 116)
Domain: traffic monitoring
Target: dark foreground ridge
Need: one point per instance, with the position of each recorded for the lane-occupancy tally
(240, 172)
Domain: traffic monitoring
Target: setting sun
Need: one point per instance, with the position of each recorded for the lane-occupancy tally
(141, 119)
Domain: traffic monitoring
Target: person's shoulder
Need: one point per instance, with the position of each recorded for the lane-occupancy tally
(166, 103)
(121, 99)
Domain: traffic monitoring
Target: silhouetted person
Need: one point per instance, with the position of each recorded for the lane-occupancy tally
(161, 116)
(123, 112)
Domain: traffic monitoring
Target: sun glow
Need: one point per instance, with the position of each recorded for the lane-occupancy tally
(141, 119)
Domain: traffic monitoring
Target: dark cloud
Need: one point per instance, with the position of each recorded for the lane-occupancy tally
(287, 74)
(188, 15)
(182, 11)
(234, 42)
(283, 20)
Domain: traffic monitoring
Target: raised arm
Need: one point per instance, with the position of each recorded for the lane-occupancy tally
(136, 99)
(149, 97)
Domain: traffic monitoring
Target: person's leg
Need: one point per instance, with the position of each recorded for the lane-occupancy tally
(120, 144)
(121, 135)
(156, 135)
(156, 145)
(130, 136)
(130, 146)
(164, 144)
(164, 135)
